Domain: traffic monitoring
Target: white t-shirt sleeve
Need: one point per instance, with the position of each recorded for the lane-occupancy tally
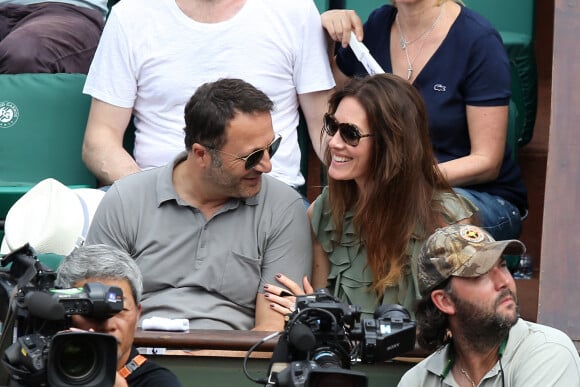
(112, 75)
(312, 70)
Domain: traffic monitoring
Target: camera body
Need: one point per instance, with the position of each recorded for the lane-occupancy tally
(64, 359)
(323, 337)
(93, 300)
(44, 353)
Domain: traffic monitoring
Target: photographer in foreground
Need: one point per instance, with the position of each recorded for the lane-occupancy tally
(469, 314)
(109, 266)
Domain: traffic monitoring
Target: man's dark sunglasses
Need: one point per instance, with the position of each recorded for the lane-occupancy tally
(255, 157)
(349, 133)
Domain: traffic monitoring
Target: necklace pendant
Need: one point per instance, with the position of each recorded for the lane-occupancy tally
(403, 43)
(409, 72)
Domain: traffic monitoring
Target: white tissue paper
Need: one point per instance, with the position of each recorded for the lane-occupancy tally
(165, 324)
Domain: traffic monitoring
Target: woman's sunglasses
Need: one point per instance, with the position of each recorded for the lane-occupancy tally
(256, 156)
(349, 133)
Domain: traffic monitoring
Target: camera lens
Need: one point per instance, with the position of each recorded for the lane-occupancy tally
(87, 359)
(77, 359)
(326, 357)
(391, 311)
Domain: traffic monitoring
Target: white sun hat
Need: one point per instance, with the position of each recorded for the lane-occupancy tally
(52, 217)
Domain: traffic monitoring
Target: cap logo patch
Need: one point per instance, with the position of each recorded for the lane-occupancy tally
(471, 234)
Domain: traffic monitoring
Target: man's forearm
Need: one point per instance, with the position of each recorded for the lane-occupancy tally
(109, 164)
(267, 319)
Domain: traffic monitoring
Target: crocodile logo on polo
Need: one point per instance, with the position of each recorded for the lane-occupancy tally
(439, 87)
(8, 114)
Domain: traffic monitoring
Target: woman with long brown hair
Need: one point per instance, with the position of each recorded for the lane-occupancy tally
(385, 196)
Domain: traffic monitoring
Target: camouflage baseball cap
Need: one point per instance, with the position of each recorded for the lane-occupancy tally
(460, 250)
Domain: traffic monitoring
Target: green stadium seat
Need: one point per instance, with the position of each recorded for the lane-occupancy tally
(322, 5)
(515, 22)
(42, 125)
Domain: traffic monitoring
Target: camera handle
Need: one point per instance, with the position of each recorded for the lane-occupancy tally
(6, 338)
(27, 267)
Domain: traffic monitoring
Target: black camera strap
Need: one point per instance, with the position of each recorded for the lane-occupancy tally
(135, 363)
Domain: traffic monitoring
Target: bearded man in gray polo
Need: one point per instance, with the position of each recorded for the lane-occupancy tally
(210, 229)
(469, 316)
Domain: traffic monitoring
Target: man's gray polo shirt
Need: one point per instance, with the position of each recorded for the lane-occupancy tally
(535, 356)
(206, 271)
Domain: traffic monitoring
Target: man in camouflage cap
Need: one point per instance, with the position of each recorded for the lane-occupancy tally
(469, 315)
(463, 251)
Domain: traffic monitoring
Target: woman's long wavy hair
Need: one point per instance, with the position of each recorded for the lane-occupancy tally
(402, 180)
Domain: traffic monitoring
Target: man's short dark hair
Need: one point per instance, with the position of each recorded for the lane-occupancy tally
(214, 104)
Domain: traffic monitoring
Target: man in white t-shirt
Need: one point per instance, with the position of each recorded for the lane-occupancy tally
(153, 55)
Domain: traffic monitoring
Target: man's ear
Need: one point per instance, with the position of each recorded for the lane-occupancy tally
(443, 301)
(200, 154)
(139, 310)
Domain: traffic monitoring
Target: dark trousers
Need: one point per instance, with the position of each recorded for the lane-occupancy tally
(48, 38)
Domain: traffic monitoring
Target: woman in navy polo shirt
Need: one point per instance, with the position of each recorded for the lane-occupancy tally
(457, 61)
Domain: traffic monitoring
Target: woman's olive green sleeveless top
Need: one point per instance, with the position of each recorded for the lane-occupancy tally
(350, 278)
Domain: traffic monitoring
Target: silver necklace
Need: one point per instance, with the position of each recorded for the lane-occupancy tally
(468, 377)
(405, 43)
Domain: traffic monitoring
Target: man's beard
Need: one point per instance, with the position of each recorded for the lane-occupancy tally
(229, 184)
(483, 329)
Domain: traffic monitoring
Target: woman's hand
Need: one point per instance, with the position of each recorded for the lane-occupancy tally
(340, 22)
(284, 301)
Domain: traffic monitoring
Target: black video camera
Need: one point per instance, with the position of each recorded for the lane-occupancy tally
(64, 359)
(44, 354)
(324, 337)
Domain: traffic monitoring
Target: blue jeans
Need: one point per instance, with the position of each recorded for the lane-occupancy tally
(496, 215)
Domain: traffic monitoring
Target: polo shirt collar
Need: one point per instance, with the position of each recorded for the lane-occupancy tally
(164, 188)
(517, 334)
(441, 361)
